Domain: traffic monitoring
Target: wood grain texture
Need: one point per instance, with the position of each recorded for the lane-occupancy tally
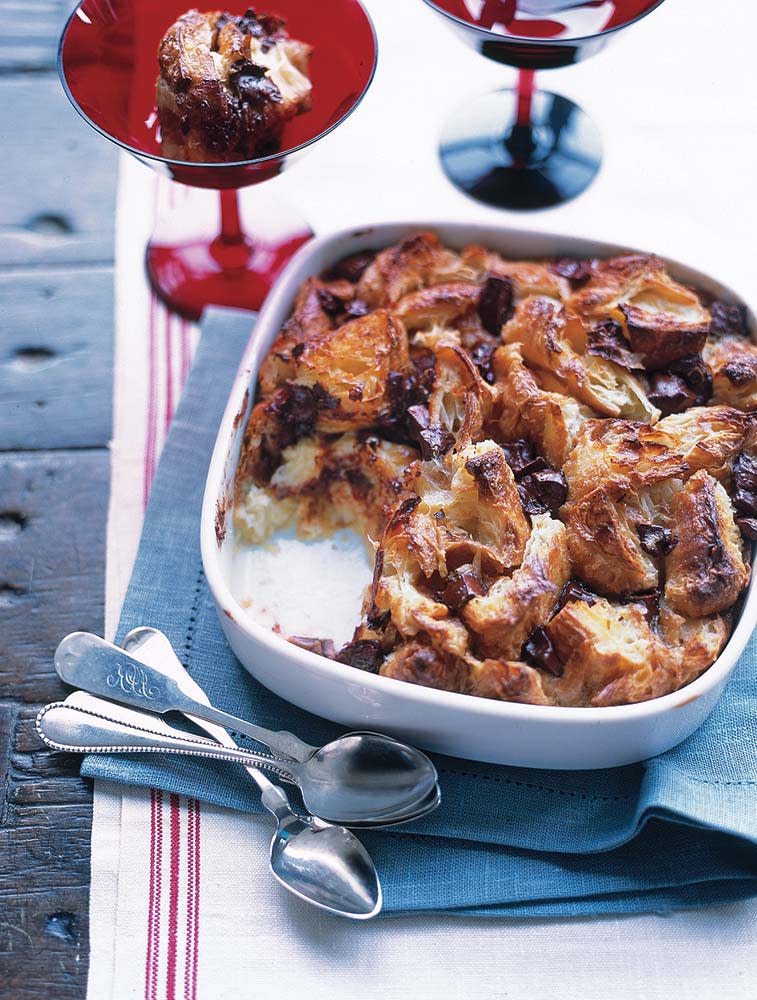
(52, 524)
(51, 568)
(29, 39)
(57, 199)
(56, 349)
(57, 209)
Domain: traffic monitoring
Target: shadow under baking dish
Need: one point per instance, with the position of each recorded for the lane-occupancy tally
(460, 725)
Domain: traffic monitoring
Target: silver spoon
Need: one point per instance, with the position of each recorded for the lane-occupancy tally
(320, 863)
(154, 649)
(359, 777)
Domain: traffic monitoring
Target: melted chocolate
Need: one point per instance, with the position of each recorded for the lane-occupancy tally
(670, 394)
(519, 454)
(574, 590)
(351, 268)
(655, 540)
(323, 647)
(539, 651)
(728, 320)
(365, 654)
(542, 491)
(577, 272)
(462, 585)
(695, 374)
(434, 441)
(606, 340)
(745, 472)
(495, 306)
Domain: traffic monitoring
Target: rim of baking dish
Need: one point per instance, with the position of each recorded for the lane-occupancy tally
(281, 296)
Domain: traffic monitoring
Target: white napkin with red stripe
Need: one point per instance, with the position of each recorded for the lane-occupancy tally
(182, 902)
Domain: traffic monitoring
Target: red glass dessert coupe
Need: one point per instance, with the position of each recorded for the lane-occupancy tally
(527, 148)
(108, 64)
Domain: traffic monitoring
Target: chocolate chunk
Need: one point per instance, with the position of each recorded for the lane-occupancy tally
(695, 374)
(323, 398)
(539, 651)
(649, 601)
(356, 393)
(323, 647)
(537, 465)
(495, 306)
(377, 620)
(728, 320)
(396, 393)
(435, 441)
(296, 407)
(606, 340)
(655, 540)
(330, 304)
(670, 394)
(418, 419)
(574, 590)
(485, 469)
(351, 268)
(365, 654)
(745, 472)
(577, 272)
(543, 491)
(748, 527)
(745, 502)
(462, 585)
(481, 355)
(251, 85)
(298, 349)
(519, 454)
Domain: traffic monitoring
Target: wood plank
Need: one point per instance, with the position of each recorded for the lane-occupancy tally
(52, 552)
(57, 199)
(56, 348)
(29, 39)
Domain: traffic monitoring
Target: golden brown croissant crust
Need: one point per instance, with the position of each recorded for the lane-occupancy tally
(228, 84)
(553, 461)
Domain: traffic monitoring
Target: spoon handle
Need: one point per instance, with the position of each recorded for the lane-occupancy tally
(99, 667)
(66, 727)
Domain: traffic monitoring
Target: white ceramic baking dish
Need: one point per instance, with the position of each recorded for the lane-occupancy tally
(464, 726)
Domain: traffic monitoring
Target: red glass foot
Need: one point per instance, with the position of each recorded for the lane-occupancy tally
(198, 257)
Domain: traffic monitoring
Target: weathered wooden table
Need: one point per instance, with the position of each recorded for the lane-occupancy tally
(57, 204)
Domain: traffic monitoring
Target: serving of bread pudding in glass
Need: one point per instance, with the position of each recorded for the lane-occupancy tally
(228, 84)
(553, 464)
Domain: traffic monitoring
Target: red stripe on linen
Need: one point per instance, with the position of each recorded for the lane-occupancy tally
(173, 896)
(151, 896)
(196, 921)
(191, 862)
(169, 370)
(151, 403)
(153, 919)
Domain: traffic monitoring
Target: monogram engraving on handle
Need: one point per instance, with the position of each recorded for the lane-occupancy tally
(132, 680)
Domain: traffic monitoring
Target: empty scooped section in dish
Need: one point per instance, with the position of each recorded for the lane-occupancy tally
(303, 587)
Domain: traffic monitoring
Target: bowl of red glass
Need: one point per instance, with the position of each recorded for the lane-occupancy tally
(525, 148)
(109, 65)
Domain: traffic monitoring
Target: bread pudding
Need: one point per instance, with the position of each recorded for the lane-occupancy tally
(228, 84)
(553, 464)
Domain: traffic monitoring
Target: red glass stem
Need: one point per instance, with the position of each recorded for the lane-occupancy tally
(525, 96)
(231, 249)
(231, 227)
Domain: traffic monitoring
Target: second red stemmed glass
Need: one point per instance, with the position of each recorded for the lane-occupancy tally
(528, 148)
(108, 66)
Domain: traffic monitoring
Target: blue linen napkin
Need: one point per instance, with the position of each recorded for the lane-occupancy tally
(677, 831)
